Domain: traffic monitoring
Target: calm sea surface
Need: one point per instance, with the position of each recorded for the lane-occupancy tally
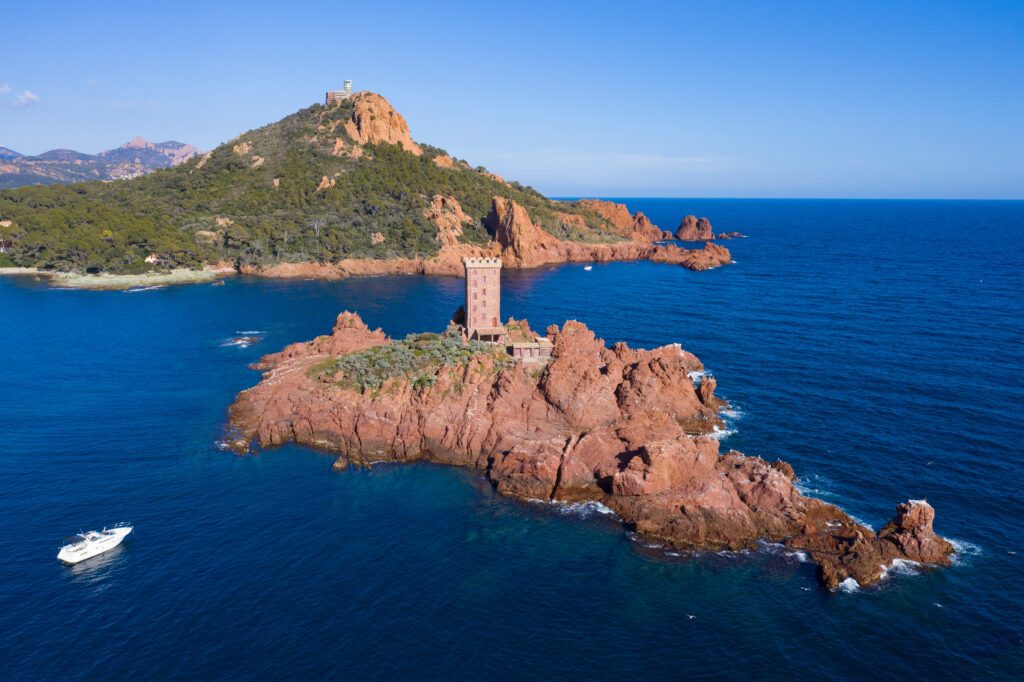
(878, 346)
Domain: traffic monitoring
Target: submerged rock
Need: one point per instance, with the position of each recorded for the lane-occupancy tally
(623, 427)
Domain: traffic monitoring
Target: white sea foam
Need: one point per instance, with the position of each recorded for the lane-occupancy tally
(249, 332)
(780, 550)
(135, 290)
(849, 585)
(719, 433)
(732, 412)
(814, 485)
(963, 551)
(734, 552)
(637, 538)
(901, 567)
(581, 509)
(239, 343)
(697, 374)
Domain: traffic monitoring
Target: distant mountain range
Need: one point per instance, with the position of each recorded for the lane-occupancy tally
(61, 166)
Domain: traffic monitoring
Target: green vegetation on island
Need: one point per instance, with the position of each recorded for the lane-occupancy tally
(417, 357)
(262, 199)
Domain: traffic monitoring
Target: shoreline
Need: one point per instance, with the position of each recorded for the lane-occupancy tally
(446, 264)
(114, 282)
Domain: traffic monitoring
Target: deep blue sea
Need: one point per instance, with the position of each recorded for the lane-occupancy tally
(878, 346)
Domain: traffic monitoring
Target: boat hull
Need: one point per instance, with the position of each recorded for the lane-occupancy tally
(73, 554)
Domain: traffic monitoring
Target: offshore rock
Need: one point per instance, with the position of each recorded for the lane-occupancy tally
(711, 256)
(620, 426)
(692, 229)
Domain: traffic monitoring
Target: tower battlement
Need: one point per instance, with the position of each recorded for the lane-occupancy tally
(482, 262)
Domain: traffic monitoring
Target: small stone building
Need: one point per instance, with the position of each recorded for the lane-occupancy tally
(538, 350)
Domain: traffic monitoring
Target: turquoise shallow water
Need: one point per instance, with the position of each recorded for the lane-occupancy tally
(877, 346)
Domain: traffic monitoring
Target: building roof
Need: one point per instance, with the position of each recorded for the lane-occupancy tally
(490, 331)
(540, 342)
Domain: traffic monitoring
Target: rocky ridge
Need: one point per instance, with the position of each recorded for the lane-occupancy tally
(132, 159)
(630, 429)
(516, 239)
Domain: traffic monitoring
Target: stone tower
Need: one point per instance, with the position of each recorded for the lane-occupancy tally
(483, 299)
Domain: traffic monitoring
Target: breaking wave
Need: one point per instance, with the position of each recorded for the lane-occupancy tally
(901, 567)
(850, 585)
(780, 550)
(243, 342)
(581, 510)
(963, 551)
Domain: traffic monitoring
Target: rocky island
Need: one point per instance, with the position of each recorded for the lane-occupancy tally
(561, 416)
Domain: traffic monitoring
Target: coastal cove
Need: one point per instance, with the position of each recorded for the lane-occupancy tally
(867, 343)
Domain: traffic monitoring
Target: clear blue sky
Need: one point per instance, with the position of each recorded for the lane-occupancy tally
(786, 99)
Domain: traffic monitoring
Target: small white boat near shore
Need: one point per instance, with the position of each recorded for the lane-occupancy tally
(92, 543)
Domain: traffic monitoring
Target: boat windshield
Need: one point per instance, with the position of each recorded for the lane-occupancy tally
(74, 539)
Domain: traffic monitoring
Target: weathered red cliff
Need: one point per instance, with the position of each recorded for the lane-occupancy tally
(516, 238)
(375, 121)
(635, 227)
(627, 428)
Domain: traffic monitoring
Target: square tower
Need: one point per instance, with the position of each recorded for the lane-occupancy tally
(483, 299)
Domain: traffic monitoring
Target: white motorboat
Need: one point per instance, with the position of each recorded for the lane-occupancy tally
(92, 543)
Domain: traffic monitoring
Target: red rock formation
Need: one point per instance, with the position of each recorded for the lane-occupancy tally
(374, 121)
(619, 426)
(692, 229)
(730, 235)
(638, 228)
(519, 241)
(444, 161)
(447, 214)
(711, 256)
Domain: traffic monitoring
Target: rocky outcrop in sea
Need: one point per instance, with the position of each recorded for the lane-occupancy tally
(634, 430)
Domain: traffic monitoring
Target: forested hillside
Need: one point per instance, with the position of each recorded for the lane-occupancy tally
(325, 183)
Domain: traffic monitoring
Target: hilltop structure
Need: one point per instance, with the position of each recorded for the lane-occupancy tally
(339, 95)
